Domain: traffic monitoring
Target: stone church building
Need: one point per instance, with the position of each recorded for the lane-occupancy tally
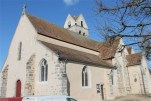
(45, 59)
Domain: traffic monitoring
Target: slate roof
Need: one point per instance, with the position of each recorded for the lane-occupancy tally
(134, 59)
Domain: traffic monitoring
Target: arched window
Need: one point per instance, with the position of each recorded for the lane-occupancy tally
(84, 76)
(43, 70)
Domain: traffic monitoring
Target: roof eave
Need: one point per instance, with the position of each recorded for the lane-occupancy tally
(66, 41)
(133, 65)
(108, 58)
(89, 63)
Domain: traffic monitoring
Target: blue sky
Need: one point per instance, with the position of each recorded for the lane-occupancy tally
(54, 11)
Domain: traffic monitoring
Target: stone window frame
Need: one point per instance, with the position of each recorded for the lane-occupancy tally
(86, 81)
(43, 67)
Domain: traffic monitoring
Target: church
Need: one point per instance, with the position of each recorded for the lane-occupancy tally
(45, 59)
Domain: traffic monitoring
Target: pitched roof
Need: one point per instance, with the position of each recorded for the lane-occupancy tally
(51, 30)
(134, 59)
(129, 49)
(75, 17)
(77, 56)
(108, 48)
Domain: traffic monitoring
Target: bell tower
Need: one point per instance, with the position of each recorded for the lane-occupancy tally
(76, 24)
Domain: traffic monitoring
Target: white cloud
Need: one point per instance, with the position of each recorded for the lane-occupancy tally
(70, 2)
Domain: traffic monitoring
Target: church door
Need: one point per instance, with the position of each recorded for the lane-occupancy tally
(18, 88)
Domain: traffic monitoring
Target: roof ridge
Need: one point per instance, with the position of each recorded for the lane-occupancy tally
(71, 32)
(49, 29)
(54, 31)
(75, 17)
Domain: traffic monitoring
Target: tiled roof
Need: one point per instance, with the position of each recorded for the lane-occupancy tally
(129, 49)
(134, 59)
(108, 48)
(77, 56)
(51, 30)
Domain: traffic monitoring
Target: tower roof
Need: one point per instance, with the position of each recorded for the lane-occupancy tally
(75, 17)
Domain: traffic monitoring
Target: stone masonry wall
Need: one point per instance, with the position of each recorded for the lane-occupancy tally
(61, 76)
(4, 81)
(30, 76)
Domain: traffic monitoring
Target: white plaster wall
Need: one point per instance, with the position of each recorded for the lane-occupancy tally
(51, 86)
(69, 18)
(25, 33)
(135, 72)
(121, 59)
(78, 21)
(97, 76)
(81, 18)
(30, 45)
(79, 28)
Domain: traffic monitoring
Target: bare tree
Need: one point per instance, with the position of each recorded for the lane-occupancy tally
(126, 19)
